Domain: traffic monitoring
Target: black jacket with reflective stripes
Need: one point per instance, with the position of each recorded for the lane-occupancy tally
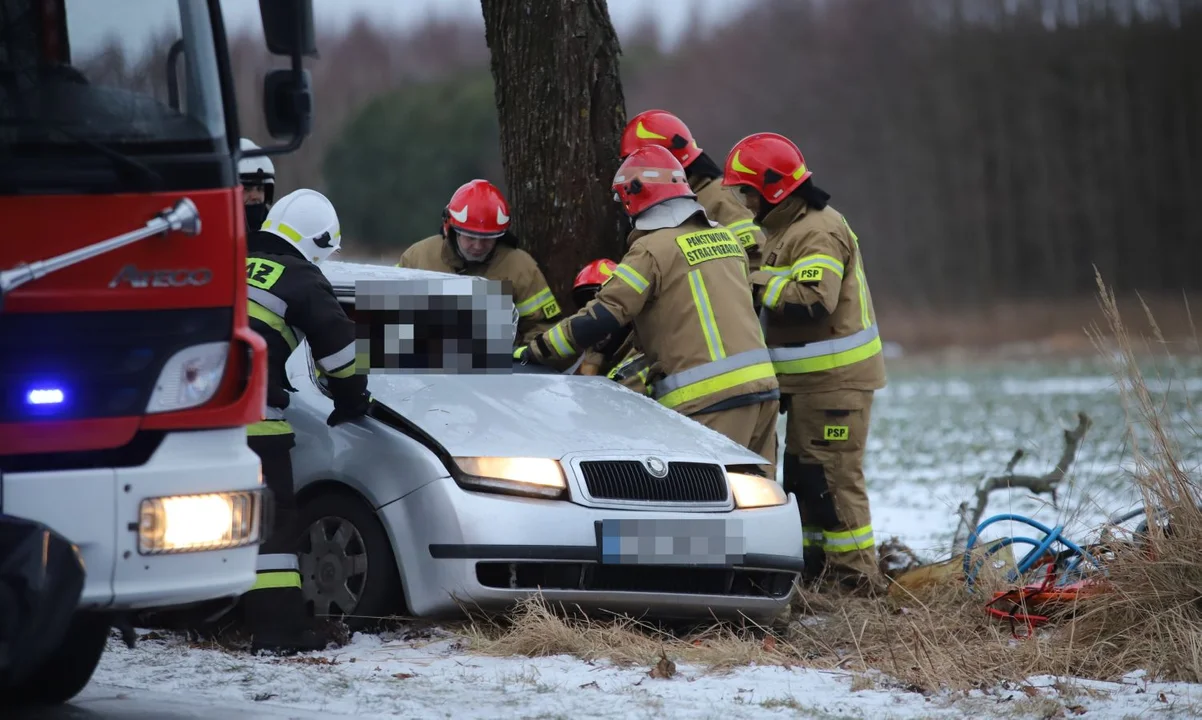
(290, 300)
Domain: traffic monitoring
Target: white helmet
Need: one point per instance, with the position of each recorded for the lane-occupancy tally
(256, 170)
(308, 219)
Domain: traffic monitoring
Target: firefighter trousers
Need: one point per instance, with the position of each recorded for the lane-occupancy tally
(274, 609)
(825, 437)
(752, 426)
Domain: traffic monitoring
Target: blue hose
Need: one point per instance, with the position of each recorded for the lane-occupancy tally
(1040, 548)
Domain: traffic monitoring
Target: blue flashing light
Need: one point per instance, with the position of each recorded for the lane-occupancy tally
(45, 396)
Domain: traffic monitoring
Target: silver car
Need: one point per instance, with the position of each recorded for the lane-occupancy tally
(476, 490)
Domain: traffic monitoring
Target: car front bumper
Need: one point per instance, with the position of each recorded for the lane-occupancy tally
(470, 549)
(99, 511)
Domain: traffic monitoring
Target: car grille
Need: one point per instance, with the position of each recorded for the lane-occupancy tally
(686, 482)
(591, 577)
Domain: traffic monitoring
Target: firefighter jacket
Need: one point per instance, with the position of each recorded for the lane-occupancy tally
(290, 300)
(536, 304)
(684, 288)
(816, 309)
(724, 207)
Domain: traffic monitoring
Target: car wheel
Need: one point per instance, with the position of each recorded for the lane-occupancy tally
(69, 668)
(348, 570)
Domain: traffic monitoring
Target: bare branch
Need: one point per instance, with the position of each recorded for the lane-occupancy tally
(1042, 485)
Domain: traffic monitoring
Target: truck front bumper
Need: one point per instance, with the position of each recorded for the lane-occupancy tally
(100, 510)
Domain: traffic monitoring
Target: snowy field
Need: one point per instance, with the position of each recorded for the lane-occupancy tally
(935, 434)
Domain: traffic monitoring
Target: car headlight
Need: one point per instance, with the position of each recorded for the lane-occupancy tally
(189, 378)
(536, 477)
(753, 491)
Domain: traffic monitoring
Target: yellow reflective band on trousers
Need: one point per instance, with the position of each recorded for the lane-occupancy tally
(849, 541)
(714, 377)
(827, 354)
(269, 427)
(277, 579)
(273, 321)
(812, 536)
(705, 313)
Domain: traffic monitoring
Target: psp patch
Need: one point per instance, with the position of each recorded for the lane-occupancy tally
(834, 432)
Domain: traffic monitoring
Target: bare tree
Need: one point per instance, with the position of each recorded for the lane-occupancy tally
(561, 114)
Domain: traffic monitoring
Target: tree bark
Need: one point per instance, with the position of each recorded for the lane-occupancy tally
(561, 113)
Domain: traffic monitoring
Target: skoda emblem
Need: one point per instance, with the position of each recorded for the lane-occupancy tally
(657, 467)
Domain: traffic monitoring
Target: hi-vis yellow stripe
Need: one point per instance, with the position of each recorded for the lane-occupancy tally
(705, 313)
(717, 384)
(277, 579)
(275, 322)
(632, 278)
(840, 542)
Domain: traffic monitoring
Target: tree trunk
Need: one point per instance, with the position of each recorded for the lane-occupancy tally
(561, 113)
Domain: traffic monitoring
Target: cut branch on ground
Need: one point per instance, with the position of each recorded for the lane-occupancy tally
(1046, 484)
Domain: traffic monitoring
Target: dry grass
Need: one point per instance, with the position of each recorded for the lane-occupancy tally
(939, 637)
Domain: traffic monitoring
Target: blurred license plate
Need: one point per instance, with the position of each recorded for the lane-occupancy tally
(701, 541)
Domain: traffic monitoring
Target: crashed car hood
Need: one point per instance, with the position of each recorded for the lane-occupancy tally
(547, 416)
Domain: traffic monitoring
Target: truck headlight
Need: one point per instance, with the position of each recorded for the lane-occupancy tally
(189, 378)
(753, 491)
(193, 523)
(536, 477)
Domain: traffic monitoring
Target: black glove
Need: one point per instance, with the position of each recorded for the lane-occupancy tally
(347, 412)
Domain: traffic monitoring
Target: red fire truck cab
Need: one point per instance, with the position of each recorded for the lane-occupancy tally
(128, 372)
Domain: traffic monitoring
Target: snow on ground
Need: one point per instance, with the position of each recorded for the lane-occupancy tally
(388, 676)
(934, 436)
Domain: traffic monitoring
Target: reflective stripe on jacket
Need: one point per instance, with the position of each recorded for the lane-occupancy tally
(536, 304)
(817, 311)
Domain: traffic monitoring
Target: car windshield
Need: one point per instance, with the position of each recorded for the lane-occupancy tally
(114, 78)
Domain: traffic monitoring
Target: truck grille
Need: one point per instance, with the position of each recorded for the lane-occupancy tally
(686, 482)
(105, 362)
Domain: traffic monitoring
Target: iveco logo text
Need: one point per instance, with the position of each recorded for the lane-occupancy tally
(161, 278)
(658, 468)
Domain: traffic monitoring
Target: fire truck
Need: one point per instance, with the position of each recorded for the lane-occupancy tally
(128, 373)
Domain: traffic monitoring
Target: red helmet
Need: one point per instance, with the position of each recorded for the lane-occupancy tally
(647, 178)
(477, 208)
(660, 127)
(590, 279)
(768, 162)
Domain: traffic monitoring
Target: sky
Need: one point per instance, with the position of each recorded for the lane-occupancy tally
(134, 21)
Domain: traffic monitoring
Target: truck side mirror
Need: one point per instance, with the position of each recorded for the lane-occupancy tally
(288, 27)
(287, 93)
(288, 103)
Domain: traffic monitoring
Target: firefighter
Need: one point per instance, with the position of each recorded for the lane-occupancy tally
(290, 299)
(617, 357)
(257, 175)
(683, 286)
(476, 240)
(821, 331)
(659, 127)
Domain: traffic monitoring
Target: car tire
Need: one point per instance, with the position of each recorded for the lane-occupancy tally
(379, 591)
(69, 668)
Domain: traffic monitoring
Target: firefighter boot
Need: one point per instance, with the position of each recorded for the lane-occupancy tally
(279, 624)
(808, 489)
